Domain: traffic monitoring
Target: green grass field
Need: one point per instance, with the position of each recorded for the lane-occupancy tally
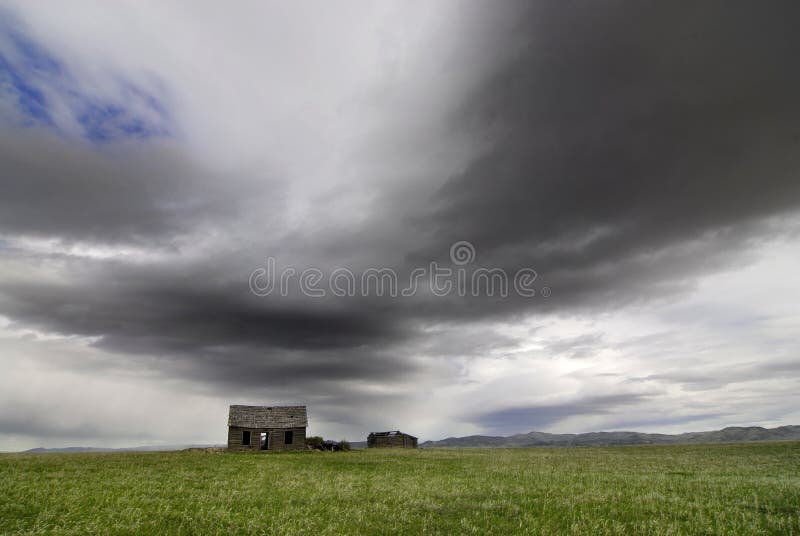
(715, 489)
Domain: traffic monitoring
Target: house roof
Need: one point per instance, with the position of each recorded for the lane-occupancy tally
(268, 416)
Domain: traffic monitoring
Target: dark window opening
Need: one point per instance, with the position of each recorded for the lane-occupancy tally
(264, 441)
(246, 437)
(288, 437)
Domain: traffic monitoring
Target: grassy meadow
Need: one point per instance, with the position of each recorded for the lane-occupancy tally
(708, 489)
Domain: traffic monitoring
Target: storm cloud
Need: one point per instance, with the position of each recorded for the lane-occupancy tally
(642, 159)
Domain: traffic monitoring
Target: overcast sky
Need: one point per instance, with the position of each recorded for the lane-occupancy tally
(640, 158)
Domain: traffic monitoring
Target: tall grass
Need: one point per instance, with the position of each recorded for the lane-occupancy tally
(715, 489)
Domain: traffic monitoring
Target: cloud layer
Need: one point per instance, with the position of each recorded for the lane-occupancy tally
(642, 160)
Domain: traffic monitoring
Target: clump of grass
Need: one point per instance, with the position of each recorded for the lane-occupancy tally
(715, 489)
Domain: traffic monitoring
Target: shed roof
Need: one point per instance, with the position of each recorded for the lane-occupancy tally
(268, 416)
(391, 433)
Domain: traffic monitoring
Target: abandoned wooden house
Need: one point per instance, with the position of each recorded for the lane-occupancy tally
(267, 428)
(393, 439)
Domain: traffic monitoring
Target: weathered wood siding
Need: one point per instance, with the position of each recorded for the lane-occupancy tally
(276, 437)
(399, 441)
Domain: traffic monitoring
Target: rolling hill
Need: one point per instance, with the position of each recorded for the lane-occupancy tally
(733, 434)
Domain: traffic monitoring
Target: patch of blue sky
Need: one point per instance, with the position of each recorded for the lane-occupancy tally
(35, 57)
(39, 84)
(103, 121)
(29, 99)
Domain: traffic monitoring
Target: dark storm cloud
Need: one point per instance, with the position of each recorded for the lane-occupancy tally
(135, 193)
(222, 331)
(541, 416)
(619, 133)
(628, 148)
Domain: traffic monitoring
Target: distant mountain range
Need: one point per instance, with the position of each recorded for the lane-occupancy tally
(145, 448)
(733, 434)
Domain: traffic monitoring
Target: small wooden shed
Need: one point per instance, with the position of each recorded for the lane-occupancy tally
(267, 428)
(391, 440)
